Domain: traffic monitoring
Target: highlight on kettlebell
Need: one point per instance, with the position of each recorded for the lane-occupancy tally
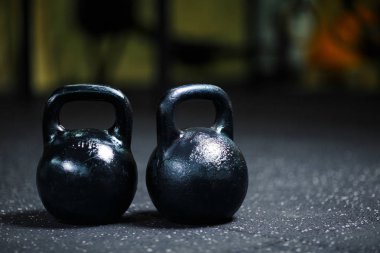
(196, 175)
(87, 175)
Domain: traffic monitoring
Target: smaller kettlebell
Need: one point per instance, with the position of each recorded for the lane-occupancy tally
(196, 175)
(87, 175)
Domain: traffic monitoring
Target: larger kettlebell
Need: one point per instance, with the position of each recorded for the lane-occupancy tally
(87, 175)
(196, 175)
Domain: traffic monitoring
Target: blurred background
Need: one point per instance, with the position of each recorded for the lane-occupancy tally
(304, 81)
(300, 46)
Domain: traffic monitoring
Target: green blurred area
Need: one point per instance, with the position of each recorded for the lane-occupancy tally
(9, 43)
(62, 53)
(290, 39)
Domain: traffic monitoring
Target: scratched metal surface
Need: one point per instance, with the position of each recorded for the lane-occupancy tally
(314, 182)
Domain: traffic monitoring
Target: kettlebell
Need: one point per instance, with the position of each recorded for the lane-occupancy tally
(87, 175)
(196, 175)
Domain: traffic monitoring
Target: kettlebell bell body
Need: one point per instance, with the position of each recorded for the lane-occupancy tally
(87, 175)
(196, 175)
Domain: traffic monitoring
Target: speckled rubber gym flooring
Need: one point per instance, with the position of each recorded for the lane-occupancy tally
(314, 181)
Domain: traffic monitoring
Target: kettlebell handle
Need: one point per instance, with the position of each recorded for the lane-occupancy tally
(167, 131)
(122, 127)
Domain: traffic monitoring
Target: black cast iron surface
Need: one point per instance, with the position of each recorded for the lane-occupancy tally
(198, 174)
(87, 175)
(314, 182)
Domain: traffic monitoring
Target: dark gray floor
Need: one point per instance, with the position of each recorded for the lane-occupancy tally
(314, 167)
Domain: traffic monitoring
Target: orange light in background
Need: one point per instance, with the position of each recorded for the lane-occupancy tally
(328, 52)
(341, 50)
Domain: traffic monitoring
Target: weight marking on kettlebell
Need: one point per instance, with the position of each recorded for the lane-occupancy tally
(86, 144)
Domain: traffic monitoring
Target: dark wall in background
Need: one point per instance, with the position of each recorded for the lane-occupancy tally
(302, 45)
